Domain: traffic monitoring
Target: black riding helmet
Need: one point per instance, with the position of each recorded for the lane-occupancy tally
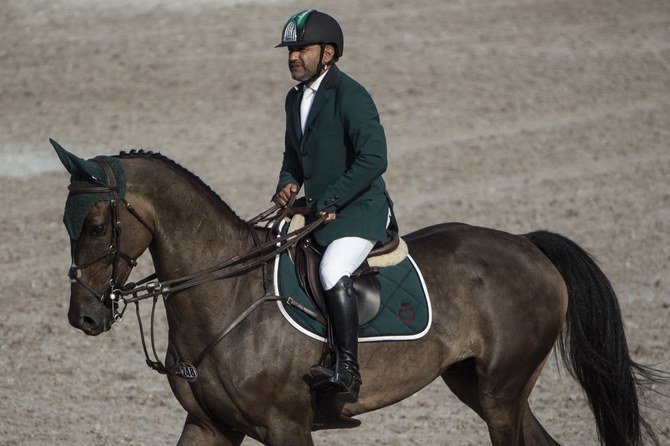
(313, 27)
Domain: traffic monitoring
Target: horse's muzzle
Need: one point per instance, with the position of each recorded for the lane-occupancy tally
(92, 319)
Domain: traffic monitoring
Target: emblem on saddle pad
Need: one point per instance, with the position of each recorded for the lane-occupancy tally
(402, 313)
(406, 313)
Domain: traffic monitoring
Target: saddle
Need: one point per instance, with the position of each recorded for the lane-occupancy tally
(307, 258)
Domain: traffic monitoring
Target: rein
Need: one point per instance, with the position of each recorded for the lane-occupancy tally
(234, 266)
(254, 258)
(150, 287)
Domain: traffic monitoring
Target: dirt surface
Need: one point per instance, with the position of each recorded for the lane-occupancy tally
(513, 114)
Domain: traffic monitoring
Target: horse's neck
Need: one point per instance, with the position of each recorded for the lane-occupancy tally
(193, 228)
(190, 240)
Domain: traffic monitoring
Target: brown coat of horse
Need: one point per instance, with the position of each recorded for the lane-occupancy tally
(500, 303)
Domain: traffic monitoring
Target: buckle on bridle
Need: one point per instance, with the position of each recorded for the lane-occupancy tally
(116, 299)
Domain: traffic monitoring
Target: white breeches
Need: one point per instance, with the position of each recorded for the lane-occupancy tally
(342, 257)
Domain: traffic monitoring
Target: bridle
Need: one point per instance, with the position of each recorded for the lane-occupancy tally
(118, 296)
(106, 296)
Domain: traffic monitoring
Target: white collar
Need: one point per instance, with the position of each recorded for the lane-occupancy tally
(315, 85)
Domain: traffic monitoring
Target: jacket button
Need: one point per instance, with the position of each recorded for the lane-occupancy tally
(309, 200)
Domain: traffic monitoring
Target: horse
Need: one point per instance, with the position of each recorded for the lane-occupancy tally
(500, 303)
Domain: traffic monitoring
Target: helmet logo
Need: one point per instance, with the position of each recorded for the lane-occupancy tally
(294, 30)
(290, 32)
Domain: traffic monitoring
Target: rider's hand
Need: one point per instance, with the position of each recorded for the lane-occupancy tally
(284, 195)
(330, 216)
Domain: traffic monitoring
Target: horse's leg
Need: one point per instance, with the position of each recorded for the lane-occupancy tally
(502, 415)
(287, 436)
(533, 432)
(201, 433)
(289, 420)
(462, 380)
(505, 408)
(196, 429)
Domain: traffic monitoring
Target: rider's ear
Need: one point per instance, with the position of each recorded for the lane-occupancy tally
(328, 54)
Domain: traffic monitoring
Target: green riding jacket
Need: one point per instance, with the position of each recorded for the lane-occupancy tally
(340, 159)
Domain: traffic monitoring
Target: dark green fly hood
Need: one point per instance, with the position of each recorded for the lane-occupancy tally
(86, 173)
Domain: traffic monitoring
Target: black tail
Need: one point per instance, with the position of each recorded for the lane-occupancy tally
(593, 344)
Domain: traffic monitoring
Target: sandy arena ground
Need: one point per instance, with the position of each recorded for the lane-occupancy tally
(513, 114)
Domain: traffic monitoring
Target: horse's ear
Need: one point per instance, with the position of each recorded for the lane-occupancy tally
(79, 168)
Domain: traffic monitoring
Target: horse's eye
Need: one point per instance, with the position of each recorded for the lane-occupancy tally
(98, 230)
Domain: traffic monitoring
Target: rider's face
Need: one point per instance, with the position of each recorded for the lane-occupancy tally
(303, 61)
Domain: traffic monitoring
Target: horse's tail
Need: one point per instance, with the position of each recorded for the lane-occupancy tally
(593, 344)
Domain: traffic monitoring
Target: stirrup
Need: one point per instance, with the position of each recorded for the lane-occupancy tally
(323, 378)
(326, 379)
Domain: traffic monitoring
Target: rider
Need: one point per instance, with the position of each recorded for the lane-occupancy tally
(335, 147)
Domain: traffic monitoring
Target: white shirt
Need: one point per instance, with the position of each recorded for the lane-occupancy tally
(308, 94)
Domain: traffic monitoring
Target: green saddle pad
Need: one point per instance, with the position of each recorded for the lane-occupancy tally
(405, 311)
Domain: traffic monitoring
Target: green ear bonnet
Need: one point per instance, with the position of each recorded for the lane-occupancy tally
(86, 173)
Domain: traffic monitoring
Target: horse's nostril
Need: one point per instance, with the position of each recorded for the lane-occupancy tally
(87, 322)
(91, 319)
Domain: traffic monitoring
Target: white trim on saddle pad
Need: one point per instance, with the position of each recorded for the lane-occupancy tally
(364, 339)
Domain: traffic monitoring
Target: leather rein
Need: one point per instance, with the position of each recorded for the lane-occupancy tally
(119, 296)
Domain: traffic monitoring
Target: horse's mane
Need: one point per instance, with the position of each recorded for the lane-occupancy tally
(139, 153)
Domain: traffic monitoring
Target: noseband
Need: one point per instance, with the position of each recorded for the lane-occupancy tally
(110, 293)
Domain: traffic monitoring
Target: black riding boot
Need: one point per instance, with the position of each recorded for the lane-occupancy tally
(344, 377)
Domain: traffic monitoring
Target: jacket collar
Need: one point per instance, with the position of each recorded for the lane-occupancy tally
(328, 80)
(331, 77)
(327, 83)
